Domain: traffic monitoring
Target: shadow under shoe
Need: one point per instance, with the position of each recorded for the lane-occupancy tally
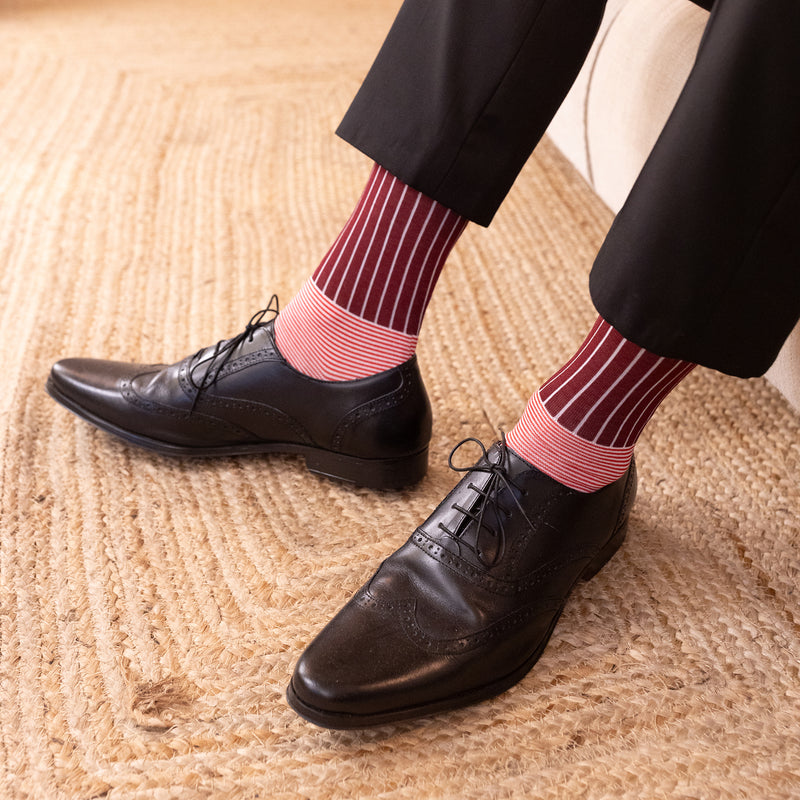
(241, 396)
(464, 609)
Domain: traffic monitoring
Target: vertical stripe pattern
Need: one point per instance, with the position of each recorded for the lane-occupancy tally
(581, 426)
(385, 263)
(361, 310)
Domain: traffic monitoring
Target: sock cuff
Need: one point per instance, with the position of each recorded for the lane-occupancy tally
(565, 457)
(324, 340)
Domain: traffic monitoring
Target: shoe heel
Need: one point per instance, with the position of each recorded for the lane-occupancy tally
(373, 473)
(604, 556)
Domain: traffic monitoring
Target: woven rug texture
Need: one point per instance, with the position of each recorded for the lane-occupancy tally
(164, 168)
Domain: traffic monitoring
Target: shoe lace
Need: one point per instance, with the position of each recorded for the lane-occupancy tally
(223, 350)
(486, 496)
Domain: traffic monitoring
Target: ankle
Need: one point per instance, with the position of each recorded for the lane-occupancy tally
(577, 463)
(324, 341)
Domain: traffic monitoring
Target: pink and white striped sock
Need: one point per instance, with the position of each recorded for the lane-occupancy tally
(580, 428)
(361, 311)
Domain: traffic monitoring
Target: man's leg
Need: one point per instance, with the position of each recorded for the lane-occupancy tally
(446, 83)
(701, 266)
(582, 425)
(702, 262)
(334, 377)
(361, 311)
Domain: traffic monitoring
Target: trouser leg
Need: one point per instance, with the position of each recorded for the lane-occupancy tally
(703, 261)
(462, 90)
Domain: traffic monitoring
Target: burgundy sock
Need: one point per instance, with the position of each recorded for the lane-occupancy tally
(581, 426)
(361, 310)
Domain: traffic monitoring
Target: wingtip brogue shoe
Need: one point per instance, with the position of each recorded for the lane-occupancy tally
(241, 396)
(464, 609)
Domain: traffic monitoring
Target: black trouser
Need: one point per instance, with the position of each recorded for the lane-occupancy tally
(702, 261)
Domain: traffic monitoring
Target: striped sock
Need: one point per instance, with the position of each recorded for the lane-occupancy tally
(581, 426)
(361, 310)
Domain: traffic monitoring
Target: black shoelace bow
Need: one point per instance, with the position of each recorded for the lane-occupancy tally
(224, 350)
(487, 495)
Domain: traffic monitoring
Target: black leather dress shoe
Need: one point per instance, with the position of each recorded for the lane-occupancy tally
(241, 396)
(464, 609)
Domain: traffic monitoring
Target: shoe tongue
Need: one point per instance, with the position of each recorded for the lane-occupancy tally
(469, 499)
(487, 537)
(463, 527)
(484, 537)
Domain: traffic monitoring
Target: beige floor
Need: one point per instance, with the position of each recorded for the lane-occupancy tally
(165, 167)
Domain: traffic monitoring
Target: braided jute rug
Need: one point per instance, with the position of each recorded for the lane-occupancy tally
(165, 167)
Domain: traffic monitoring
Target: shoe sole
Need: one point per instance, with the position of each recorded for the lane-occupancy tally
(372, 473)
(341, 721)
